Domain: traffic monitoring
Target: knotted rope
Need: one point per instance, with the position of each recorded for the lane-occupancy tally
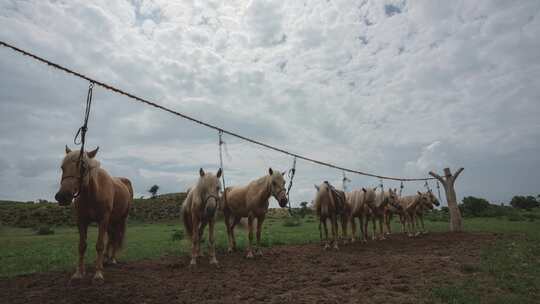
(82, 134)
(291, 173)
(221, 143)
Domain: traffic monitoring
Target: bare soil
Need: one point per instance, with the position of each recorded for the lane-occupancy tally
(396, 270)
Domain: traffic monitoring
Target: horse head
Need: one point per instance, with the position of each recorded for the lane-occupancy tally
(75, 174)
(277, 187)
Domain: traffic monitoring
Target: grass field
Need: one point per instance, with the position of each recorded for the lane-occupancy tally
(511, 265)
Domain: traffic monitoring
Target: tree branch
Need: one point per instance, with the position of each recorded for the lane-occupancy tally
(437, 176)
(456, 174)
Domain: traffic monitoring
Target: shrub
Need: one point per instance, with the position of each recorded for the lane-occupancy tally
(524, 202)
(474, 206)
(177, 235)
(44, 230)
(515, 217)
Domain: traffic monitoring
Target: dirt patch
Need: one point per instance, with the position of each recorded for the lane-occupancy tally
(397, 270)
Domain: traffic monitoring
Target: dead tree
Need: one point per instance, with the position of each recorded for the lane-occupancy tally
(456, 222)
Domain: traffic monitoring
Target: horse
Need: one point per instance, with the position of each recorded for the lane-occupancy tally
(378, 208)
(251, 201)
(408, 204)
(98, 198)
(330, 203)
(392, 208)
(199, 208)
(359, 202)
(428, 204)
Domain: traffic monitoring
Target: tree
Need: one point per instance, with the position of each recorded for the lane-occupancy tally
(456, 222)
(524, 202)
(153, 190)
(304, 209)
(474, 206)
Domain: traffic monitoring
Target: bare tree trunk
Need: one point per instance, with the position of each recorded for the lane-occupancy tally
(456, 222)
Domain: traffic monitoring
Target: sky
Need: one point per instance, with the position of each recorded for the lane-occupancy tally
(394, 88)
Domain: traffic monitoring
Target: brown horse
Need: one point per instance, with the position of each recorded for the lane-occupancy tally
(409, 204)
(199, 208)
(378, 208)
(98, 198)
(427, 204)
(251, 201)
(329, 205)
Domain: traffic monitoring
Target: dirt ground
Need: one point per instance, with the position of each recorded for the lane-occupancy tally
(398, 270)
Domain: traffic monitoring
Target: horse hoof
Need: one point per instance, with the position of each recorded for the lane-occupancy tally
(259, 253)
(213, 261)
(326, 247)
(250, 255)
(193, 262)
(98, 279)
(336, 247)
(77, 276)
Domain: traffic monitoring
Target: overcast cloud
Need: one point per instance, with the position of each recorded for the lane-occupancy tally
(391, 87)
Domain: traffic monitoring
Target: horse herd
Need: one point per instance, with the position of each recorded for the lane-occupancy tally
(100, 198)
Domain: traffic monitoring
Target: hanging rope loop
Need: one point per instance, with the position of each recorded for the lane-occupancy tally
(439, 190)
(221, 143)
(81, 134)
(291, 174)
(401, 188)
(426, 184)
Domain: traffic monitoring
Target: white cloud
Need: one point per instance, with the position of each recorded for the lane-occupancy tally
(393, 87)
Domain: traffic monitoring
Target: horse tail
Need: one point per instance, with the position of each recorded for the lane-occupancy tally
(186, 216)
(119, 232)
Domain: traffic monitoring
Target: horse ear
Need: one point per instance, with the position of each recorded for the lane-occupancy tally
(364, 189)
(219, 172)
(270, 171)
(68, 150)
(201, 172)
(419, 193)
(316, 187)
(92, 153)
(283, 173)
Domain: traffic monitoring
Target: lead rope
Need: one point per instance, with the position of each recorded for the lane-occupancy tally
(401, 188)
(439, 191)
(82, 133)
(291, 173)
(221, 143)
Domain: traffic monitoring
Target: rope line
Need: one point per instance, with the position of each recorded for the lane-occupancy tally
(221, 142)
(82, 134)
(200, 122)
(291, 173)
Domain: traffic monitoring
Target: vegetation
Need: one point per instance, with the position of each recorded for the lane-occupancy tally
(153, 190)
(525, 202)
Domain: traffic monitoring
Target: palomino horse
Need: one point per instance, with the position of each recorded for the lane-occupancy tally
(392, 208)
(98, 198)
(199, 208)
(377, 210)
(359, 202)
(251, 201)
(428, 204)
(409, 204)
(329, 204)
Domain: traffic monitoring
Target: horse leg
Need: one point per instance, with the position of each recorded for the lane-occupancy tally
(374, 231)
(344, 221)
(353, 228)
(80, 271)
(260, 221)
(421, 216)
(250, 237)
(335, 231)
(364, 221)
(211, 242)
(227, 216)
(235, 222)
(327, 245)
(380, 219)
(100, 246)
(195, 242)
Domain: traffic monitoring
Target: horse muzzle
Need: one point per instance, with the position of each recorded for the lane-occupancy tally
(63, 198)
(283, 202)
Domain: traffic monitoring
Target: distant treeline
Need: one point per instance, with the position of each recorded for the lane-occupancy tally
(164, 207)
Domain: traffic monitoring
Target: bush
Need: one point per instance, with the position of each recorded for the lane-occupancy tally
(524, 202)
(292, 221)
(177, 235)
(515, 217)
(44, 230)
(474, 206)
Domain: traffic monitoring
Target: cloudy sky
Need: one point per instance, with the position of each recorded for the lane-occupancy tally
(390, 87)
